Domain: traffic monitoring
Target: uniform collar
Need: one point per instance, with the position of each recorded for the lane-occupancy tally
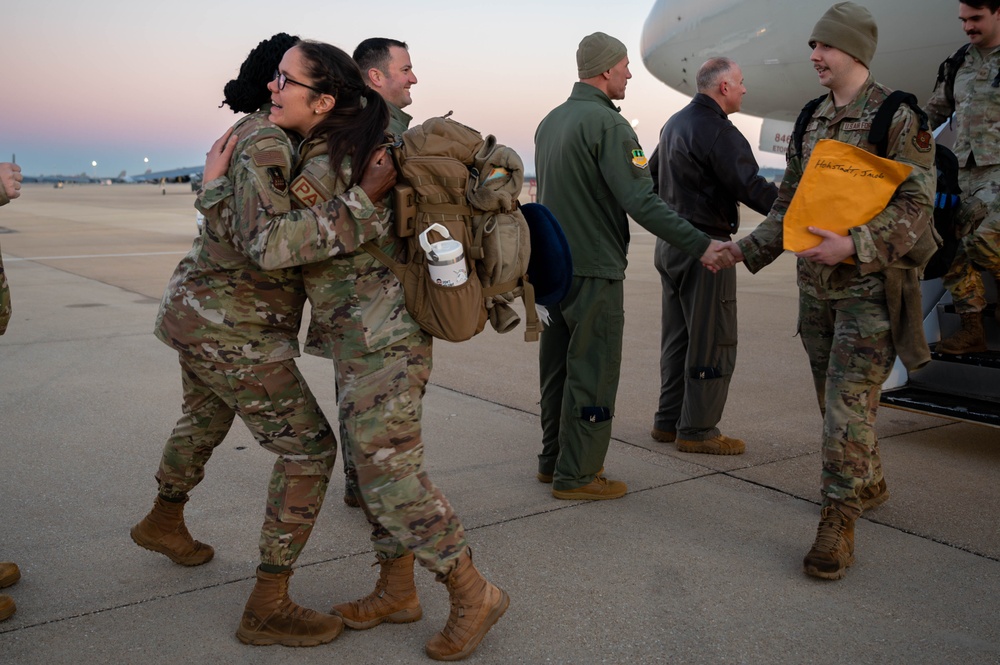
(586, 92)
(399, 115)
(854, 108)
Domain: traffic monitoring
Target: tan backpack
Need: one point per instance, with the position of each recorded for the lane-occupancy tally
(450, 175)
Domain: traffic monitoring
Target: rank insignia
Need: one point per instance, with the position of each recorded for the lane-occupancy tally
(277, 180)
(922, 141)
(639, 159)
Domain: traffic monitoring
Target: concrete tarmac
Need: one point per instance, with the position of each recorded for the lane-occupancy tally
(699, 563)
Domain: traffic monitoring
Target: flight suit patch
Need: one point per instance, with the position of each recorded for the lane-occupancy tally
(276, 179)
(922, 141)
(639, 159)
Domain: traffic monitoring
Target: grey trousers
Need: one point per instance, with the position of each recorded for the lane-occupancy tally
(697, 344)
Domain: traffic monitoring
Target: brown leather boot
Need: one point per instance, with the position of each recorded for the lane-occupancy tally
(394, 598)
(833, 551)
(970, 339)
(475, 606)
(271, 617)
(9, 574)
(163, 531)
(874, 495)
(7, 607)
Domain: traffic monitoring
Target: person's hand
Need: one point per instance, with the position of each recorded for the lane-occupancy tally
(832, 250)
(10, 179)
(734, 250)
(716, 257)
(217, 159)
(379, 176)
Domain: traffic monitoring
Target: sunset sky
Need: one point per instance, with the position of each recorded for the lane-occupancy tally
(117, 81)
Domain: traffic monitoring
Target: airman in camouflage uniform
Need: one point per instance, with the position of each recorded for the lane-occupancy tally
(383, 363)
(10, 188)
(235, 327)
(844, 308)
(976, 105)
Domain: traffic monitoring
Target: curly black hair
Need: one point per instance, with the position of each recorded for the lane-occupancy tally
(248, 91)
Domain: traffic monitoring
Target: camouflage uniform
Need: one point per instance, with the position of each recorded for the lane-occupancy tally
(977, 125)
(235, 327)
(4, 289)
(844, 317)
(383, 363)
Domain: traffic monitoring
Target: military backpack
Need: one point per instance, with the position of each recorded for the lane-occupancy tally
(450, 175)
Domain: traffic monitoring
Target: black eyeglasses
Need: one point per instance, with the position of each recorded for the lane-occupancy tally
(282, 80)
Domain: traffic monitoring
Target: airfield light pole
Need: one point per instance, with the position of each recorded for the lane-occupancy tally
(94, 164)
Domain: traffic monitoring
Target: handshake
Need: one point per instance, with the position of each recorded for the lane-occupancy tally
(721, 255)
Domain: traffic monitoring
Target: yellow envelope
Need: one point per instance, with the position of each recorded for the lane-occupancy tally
(842, 187)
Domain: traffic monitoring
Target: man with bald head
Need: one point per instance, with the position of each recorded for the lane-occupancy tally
(703, 168)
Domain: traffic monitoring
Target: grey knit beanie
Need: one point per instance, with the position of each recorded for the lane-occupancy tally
(849, 27)
(597, 54)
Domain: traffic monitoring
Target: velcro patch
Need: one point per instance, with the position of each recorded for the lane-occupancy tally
(595, 414)
(639, 159)
(922, 141)
(861, 125)
(269, 158)
(305, 192)
(276, 178)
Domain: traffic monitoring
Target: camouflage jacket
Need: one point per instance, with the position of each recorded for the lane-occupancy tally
(219, 306)
(976, 108)
(890, 235)
(275, 237)
(357, 302)
(4, 289)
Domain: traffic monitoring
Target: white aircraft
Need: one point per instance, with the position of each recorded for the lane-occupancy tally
(769, 39)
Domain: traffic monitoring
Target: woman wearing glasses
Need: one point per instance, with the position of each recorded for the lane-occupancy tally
(235, 327)
(382, 358)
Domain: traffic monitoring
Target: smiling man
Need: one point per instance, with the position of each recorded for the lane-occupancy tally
(848, 285)
(969, 87)
(385, 63)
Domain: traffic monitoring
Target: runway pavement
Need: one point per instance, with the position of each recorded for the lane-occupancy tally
(699, 563)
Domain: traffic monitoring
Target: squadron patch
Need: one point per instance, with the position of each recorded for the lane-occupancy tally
(639, 159)
(277, 180)
(922, 141)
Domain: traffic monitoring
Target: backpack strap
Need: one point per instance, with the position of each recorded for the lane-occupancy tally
(803, 121)
(949, 68)
(879, 133)
(397, 269)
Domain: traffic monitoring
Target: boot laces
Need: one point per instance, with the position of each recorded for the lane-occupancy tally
(830, 531)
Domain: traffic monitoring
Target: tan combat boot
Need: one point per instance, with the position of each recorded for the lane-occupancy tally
(874, 495)
(163, 531)
(970, 339)
(7, 607)
(475, 606)
(271, 617)
(394, 598)
(833, 551)
(9, 574)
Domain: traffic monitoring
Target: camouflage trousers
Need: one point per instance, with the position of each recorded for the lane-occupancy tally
(283, 415)
(850, 353)
(380, 406)
(980, 250)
